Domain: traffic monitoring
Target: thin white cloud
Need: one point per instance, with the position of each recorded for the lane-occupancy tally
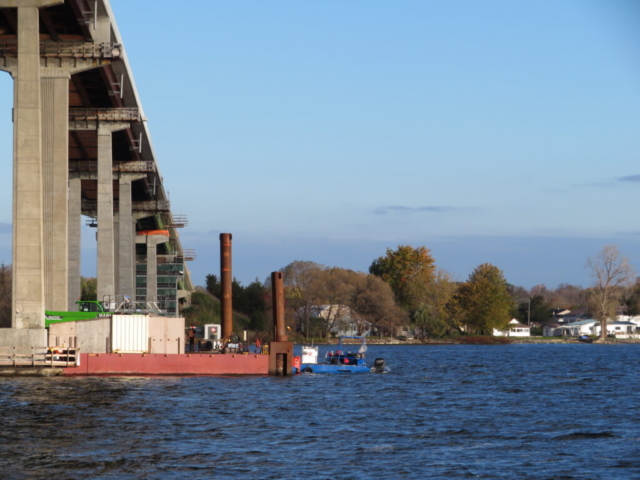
(405, 209)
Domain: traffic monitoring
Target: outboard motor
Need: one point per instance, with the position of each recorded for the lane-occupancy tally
(378, 366)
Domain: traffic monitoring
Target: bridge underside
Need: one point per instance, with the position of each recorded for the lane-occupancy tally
(81, 148)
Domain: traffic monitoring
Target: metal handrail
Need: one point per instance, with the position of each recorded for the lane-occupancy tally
(66, 49)
(91, 166)
(130, 114)
(143, 206)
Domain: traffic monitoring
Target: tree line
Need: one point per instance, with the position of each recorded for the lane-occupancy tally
(402, 288)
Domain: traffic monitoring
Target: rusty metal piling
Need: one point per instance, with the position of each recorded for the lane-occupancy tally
(277, 291)
(226, 306)
(280, 350)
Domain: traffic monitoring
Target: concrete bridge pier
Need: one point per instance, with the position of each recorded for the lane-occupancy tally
(55, 175)
(27, 316)
(75, 241)
(126, 251)
(105, 124)
(106, 244)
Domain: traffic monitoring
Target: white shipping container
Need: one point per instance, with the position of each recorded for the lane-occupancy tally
(130, 333)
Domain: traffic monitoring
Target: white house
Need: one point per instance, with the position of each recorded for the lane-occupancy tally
(617, 328)
(576, 315)
(628, 318)
(514, 329)
(341, 319)
(574, 329)
(548, 330)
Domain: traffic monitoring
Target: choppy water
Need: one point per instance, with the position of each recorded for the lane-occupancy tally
(503, 412)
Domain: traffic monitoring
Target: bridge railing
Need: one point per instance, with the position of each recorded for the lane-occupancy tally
(143, 206)
(91, 166)
(104, 114)
(66, 49)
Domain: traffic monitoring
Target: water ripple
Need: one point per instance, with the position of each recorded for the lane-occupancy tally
(516, 411)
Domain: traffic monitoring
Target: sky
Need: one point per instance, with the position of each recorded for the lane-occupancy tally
(490, 132)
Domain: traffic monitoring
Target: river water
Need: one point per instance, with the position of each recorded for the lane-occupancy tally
(461, 411)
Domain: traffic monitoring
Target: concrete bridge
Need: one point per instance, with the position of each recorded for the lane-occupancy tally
(81, 147)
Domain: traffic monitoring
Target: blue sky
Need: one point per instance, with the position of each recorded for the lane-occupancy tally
(494, 131)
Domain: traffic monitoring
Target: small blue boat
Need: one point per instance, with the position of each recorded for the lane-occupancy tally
(340, 361)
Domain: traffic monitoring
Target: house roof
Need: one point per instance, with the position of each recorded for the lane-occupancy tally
(620, 323)
(576, 312)
(580, 322)
(517, 325)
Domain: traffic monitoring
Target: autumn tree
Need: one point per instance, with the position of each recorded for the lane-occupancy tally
(611, 273)
(335, 290)
(303, 285)
(408, 271)
(485, 300)
(361, 299)
(373, 301)
(455, 316)
(567, 296)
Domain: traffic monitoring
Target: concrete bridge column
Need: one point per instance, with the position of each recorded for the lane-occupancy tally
(106, 264)
(75, 241)
(106, 260)
(28, 266)
(126, 237)
(55, 175)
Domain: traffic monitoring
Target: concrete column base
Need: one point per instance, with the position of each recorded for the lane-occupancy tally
(280, 358)
(23, 337)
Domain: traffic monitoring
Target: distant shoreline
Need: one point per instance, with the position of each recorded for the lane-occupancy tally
(513, 340)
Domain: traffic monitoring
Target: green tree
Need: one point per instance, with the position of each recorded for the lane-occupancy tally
(429, 321)
(534, 309)
(455, 314)
(255, 305)
(408, 271)
(439, 298)
(632, 299)
(205, 308)
(485, 300)
(213, 285)
(89, 288)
